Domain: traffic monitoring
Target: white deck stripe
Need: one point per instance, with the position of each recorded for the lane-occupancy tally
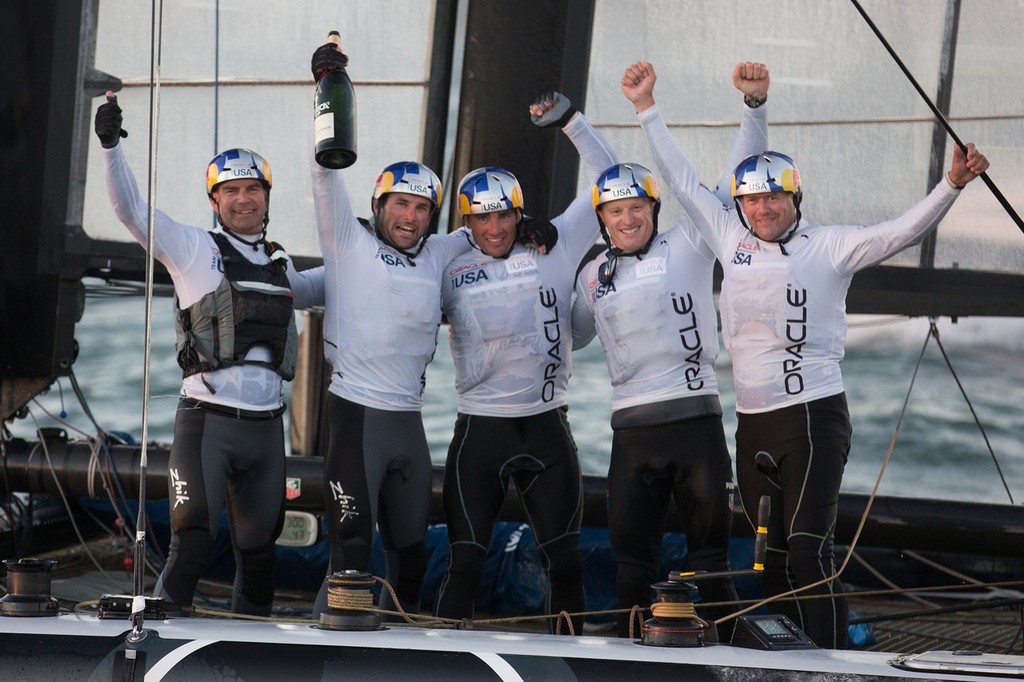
(499, 665)
(165, 664)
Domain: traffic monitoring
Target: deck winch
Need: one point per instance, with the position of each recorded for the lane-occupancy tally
(349, 602)
(28, 588)
(674, 620)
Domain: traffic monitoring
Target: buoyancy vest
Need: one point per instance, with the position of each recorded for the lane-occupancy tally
(251, 306)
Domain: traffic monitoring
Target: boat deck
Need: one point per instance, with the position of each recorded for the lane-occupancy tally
(934, 622)
(900, 626)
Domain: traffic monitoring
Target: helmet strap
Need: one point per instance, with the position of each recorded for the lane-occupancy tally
(520, 226)
(254, 245)
(786, 236)
(409, 255)
(642, 251)
(263, 235)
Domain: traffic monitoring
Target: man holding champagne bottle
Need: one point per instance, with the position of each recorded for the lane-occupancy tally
(383, 310)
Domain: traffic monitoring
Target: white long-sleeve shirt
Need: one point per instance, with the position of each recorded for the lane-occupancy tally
(784, 309)
(510, 334)
(193, 260)
(656, 320)
(382, 312)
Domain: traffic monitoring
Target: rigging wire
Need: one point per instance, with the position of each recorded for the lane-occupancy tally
(124, 532)
(111, 478)
(138, 599)
(216, 83)
(67, 504)
(111, 481)
(933, 332)
(101, 437)
(938, 114)
(880, 577)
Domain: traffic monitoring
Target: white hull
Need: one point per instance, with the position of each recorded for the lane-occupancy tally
(83, 646)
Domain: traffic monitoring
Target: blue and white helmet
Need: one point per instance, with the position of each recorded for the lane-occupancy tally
(626, 181)
(237, 164)
(409, 177)
(490, 189)
(766, 172)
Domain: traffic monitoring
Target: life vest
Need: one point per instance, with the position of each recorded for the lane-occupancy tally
(251, 306)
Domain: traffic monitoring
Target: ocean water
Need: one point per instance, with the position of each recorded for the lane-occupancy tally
(940, 452)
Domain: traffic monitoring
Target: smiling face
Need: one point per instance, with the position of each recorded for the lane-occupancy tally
(494, 232)
(769, 214)
(403, 218)
(241, 205)
(629, 222)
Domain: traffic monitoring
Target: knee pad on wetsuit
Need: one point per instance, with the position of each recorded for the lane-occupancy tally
(254, 592)
(641, 576)
(562, 559)
(564, 565)
(189, 556)
(464, 573)
(405, 569)
(467, 562)
(810, 559)
(412, 561)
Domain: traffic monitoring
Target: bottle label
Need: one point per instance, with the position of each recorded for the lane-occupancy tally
(323, 127)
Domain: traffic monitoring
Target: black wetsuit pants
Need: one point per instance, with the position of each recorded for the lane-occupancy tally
(650, 466)
(796, 456)
(377, 473)
(219, 459)
(539, 455)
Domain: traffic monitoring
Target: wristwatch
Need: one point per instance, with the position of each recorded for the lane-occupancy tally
(754, 102)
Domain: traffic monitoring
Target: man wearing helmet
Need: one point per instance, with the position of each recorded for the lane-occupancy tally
(508, 308)
(784, 324)
(380, 331)
(649, 299)
(236, 342)
(766, 186)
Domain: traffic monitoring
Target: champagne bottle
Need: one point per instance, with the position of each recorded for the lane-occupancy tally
(334, 117)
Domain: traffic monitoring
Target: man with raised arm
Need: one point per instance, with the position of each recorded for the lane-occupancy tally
(509, 311)
(234, 293)
(649, 299)
(383, 309)
(783, 306)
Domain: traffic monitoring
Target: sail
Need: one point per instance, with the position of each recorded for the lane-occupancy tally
(839, 104)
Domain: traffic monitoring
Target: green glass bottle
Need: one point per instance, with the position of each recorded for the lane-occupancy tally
(334, 117)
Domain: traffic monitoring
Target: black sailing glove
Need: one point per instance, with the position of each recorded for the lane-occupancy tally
(108, 122)
(538, 233)
(327, 58)
(551, 109)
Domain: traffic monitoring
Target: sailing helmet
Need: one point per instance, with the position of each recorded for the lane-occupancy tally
(237, 164)
(489, 189)
(408, 177)
(766, 172)
(627, 181)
